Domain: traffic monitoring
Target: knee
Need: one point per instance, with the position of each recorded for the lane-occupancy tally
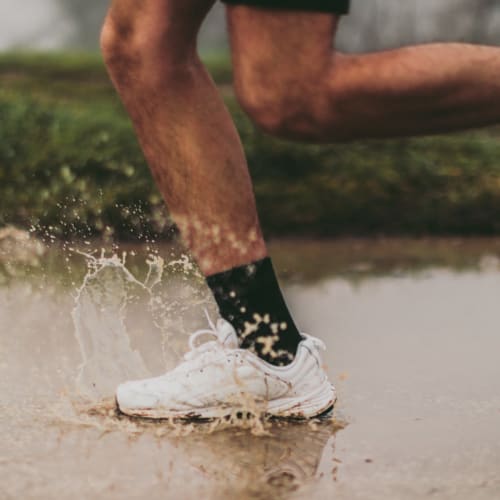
(284, 107)
(121, 53)
(313, 102)
(117, 46)
(133, 50)
(275, 109)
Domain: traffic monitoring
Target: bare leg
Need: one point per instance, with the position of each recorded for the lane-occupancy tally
(184, 129)
(294, 85)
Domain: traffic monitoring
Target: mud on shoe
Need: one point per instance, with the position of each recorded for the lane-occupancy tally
(217, 378)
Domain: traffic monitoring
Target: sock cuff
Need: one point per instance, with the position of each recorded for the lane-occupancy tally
(241, 275)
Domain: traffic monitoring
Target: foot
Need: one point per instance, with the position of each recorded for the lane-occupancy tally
(217, 378)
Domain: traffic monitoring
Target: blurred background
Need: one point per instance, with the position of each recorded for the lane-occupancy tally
(373, 24)
(69, 159)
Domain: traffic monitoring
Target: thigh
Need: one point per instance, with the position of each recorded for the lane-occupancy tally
(279, 44)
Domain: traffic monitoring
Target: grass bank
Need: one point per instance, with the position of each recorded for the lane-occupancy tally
(69, 160)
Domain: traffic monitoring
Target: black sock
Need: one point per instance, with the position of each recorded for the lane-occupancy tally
(249, 297)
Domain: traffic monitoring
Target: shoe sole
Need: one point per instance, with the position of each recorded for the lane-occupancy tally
(316, 405)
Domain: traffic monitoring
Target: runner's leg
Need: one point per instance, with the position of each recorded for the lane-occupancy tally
(197, 160)
(294, 84)
(186, 133)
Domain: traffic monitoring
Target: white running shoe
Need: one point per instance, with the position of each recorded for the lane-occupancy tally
(217, 379)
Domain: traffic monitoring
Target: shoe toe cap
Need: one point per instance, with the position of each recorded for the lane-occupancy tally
(133, 397)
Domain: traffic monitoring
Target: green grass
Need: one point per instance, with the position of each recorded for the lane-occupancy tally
(69, 160)
(87, 65)
(66, 75)
(70, 65)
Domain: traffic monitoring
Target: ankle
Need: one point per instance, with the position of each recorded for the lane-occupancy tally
(249, 298)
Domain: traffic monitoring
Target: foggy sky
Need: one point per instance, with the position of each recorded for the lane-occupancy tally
(373, 24)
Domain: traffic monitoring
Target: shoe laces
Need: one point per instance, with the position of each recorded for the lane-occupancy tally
(220, 337)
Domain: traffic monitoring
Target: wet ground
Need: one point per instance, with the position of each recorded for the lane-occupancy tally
(413, 336)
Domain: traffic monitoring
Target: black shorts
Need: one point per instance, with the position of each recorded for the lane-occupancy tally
(332, 6)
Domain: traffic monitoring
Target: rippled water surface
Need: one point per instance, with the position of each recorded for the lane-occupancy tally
(413, 336)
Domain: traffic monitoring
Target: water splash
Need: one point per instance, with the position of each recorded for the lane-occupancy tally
(128, 328)
(99, 319)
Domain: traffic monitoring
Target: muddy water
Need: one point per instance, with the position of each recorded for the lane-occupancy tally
(412, 329)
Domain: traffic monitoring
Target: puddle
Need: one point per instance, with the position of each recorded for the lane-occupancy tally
(412, 334)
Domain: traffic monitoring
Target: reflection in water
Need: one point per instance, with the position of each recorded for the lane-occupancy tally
(271, 466)
(229, 460)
